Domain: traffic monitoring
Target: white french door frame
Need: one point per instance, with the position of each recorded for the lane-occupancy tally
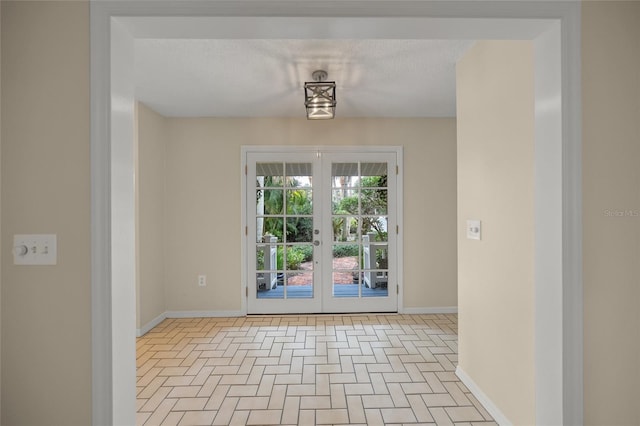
(285, 305)
(388, 303)
(322, 296)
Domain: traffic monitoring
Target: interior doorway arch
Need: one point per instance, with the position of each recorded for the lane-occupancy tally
(114, 26)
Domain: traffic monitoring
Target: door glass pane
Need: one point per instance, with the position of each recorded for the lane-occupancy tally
(346, 283)
(346, 270)
(298, 281)
(373, 201)
(345, 228)
(267, 286)
(299, 285)
(299, 201)
(376, 226)
(345, 256)
(344, 201)
(286, 231)
(269, 275)
(269, 201)
(269, 175)
(375, 266)
(284, 216)
(299, 257)
(374, 175)
(299, 229)
(299, 175)
(267, 228)
(266, 254)
(345, 175)
(359, 205)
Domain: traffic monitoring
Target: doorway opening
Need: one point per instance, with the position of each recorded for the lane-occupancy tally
(557, 40)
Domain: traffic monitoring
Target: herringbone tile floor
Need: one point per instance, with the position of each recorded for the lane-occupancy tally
(304, 370)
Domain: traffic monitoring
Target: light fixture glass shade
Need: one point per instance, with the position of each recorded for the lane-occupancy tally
(320, 99)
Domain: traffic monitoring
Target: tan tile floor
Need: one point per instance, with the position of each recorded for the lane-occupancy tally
(304, 370)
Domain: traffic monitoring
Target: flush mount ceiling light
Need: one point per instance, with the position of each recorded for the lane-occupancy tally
(320, 97)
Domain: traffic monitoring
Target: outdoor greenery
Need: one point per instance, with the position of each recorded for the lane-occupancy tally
(297, 202)
(294, 258)
(372, 201)
(296, 255)
(345, 250)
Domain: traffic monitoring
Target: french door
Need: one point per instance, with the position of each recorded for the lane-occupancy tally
(321, 231)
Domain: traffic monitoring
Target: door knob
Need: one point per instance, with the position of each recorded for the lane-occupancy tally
(316, 243)
(316, 231)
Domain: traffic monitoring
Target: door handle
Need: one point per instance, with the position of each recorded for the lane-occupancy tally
(316, 243)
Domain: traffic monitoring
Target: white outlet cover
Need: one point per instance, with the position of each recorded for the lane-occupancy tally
(474, 229)
(202, 280)
(35, 249)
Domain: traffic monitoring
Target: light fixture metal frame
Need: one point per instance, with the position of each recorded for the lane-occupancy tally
(320, 97)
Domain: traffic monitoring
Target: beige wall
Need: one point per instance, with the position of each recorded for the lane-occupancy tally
(151, 144)
(46, 310)
(203, 201)
(45, 122)
(495, 184)
(611, 186)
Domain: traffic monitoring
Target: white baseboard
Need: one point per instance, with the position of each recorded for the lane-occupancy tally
(437, 310)
(203, 314)
(148, 326)
(491, 408)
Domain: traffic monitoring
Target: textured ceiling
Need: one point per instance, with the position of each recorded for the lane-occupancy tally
(264, 78)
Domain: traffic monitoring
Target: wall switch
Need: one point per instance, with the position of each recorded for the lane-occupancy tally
(202, 280)
(474, 228)
(35, 249)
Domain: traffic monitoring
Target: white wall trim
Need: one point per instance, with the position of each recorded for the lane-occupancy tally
(486, 402)
(395, 149)
(400, 222)
(204, 314)
(114, 402)
(244, 280)
(436, 310)
(547, 258)
(123, 241)
(572, 280)
(148, 326)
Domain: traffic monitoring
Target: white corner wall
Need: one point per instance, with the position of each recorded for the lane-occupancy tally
(495, 121)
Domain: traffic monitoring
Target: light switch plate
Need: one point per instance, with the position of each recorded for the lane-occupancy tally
(474, 228)
(35, 249)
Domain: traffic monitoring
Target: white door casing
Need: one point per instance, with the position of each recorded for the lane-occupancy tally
(556, 36)
(370, 283)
